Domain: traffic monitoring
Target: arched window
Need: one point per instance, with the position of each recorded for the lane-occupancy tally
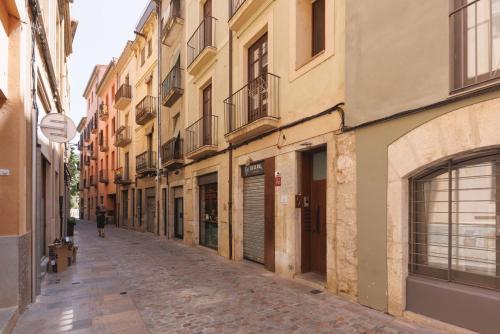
(455, 221)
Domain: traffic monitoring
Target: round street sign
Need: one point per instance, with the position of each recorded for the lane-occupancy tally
(58, 128)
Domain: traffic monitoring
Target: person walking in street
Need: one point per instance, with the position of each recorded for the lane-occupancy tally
(101, 220)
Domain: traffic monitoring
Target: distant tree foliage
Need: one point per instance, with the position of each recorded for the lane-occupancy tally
(74, 171)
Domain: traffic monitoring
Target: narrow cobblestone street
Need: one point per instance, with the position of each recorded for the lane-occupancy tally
(134, 283)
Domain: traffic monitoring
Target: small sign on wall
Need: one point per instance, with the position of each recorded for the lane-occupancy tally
(4, 172)
(253, 169)
(284, 199)
(277, 179)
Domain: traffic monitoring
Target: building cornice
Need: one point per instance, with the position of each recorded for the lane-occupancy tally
(93, 78)
(107, 76)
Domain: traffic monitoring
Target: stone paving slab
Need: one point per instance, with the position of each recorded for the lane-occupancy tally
(173, 288)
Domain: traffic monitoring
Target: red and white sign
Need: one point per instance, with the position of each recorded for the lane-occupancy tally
(277, 179)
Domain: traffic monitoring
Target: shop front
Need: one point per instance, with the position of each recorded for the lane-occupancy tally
(208, 210)
(258, 212)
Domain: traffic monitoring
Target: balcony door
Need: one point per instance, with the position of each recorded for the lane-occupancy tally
(207, 113)
(257, 79)
(207, 22)
(127, 165)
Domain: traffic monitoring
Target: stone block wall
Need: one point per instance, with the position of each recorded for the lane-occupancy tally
(346, 228)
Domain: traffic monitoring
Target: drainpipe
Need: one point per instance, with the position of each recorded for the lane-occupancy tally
(230, 155)
(159, 106)
(34, 188)
(118, 198)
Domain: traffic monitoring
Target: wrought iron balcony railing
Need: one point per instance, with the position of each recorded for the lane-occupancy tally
(235, 5)
(145, 110)
(172, 152)
(256, 100)
(171, 88)
(103, 144)
(202, 38)
(173, 13)
(94, 123)
(123, 95)
(201, 133)
(122, 176)
(103, 176)
(103, 112)
(146, 162)
(122, 136)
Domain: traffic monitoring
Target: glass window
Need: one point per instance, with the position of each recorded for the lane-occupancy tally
(455, 225)
(208, 216)
(476, 41)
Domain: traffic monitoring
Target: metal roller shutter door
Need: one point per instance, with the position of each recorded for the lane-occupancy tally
(253, 218)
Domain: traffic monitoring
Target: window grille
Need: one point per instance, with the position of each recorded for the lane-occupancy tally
(455, 221)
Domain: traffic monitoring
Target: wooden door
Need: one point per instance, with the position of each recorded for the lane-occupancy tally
(207, 24)
(179, 218)
(151, 211)
(313, 223)
(257, 79)
(207, 116)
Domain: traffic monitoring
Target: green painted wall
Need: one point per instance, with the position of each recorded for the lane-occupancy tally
(371, 145)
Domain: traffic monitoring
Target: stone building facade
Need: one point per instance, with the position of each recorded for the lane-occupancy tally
(107, 157)
(35, 41)
(425, 125)
(274, 138)
(89, 147)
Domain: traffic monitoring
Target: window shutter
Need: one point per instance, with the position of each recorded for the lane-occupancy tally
(318, 26)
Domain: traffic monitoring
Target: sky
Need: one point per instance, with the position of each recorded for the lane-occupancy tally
(104, 26)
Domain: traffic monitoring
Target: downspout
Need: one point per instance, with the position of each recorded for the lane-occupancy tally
(118, 198)
(34, 190)
(230, 150)
(159, 106)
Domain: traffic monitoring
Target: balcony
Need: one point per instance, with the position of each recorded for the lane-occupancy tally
(171, 88)
(80, 143)
(253, 109)
(123, 96)
(145, 110)
(93, 154)
(103, 176)
(201, 48)
(122, 176)
(146, 163)
(103, 144)
(172, 153)
(242, 12)
(201, 137)
(94, 123)
(86, 160)
(103, 112)
(122, 136)
(93, 181)
(174, 23)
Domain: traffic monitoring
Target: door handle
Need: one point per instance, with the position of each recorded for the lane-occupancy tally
(318, 221)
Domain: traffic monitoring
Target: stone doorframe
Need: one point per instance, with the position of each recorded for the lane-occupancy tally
(471, 128)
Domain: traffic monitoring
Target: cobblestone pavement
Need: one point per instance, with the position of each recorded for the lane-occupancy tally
(173, 288)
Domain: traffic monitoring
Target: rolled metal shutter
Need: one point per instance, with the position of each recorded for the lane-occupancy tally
(253, 218)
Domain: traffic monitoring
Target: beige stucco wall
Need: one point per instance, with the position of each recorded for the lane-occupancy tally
(397, 57)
